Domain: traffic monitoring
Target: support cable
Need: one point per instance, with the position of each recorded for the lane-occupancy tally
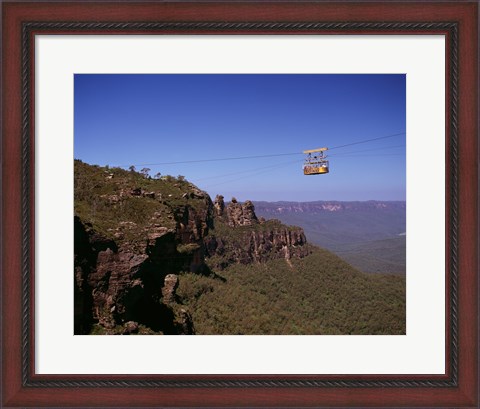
(258, 156)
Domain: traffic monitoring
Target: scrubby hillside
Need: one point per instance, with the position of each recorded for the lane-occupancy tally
(157, 256)
(318, 294)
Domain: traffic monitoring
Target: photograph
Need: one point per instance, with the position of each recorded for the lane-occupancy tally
(296, 182)
(240, 204)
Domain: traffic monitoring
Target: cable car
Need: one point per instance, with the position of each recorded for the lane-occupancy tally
(316, 162)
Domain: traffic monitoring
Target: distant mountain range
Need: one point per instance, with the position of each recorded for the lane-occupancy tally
(370, 235)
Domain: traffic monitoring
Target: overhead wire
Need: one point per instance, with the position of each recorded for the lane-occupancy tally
(265, 169)
(296, 161)
(259, 156)
(367, 140)
(367, 150)
(247, 171)
(368, 155)
(213, 160)
(254, 174)
(277, 165)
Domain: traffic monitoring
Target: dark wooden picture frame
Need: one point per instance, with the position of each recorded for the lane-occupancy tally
(458, 21)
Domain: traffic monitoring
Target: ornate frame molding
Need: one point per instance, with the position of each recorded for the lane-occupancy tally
(29, 29)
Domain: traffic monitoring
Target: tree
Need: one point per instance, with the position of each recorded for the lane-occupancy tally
(145, 171)
(157, 175)
(181, 178)
(131, 168)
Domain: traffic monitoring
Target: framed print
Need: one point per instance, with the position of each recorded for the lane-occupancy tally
(293, 185)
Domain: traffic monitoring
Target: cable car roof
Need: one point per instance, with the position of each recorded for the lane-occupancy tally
(316, 150)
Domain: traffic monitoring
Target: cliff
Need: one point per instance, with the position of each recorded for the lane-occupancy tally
(267, 241)
(119, 288)
(134, 235)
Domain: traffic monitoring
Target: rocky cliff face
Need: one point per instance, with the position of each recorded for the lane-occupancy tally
(238, 214)
(235, 213)
(132, 243)
(119, 288)
(256, 246)
(248, 239)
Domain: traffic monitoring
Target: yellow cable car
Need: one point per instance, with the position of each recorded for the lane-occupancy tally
(316, 162)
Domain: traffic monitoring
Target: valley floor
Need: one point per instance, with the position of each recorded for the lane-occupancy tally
(317, 295)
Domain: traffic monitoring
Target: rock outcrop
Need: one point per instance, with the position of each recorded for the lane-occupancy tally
(248, 217)
(169, 288)
(240, 214)
(257, 246)
(219, 206)
(115, 284)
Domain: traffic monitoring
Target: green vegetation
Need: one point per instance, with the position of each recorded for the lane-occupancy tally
(378, 256)
(187, 248)
(97, 329)
(319, 294)
(106, 197)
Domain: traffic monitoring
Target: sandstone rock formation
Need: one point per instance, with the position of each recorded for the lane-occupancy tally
(169, 288)
(219, 205)
(130, 327)
(116, 285)
(240, 214)
(258, 246)
(248, 214)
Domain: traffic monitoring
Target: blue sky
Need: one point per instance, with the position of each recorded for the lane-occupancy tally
(144, 120)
